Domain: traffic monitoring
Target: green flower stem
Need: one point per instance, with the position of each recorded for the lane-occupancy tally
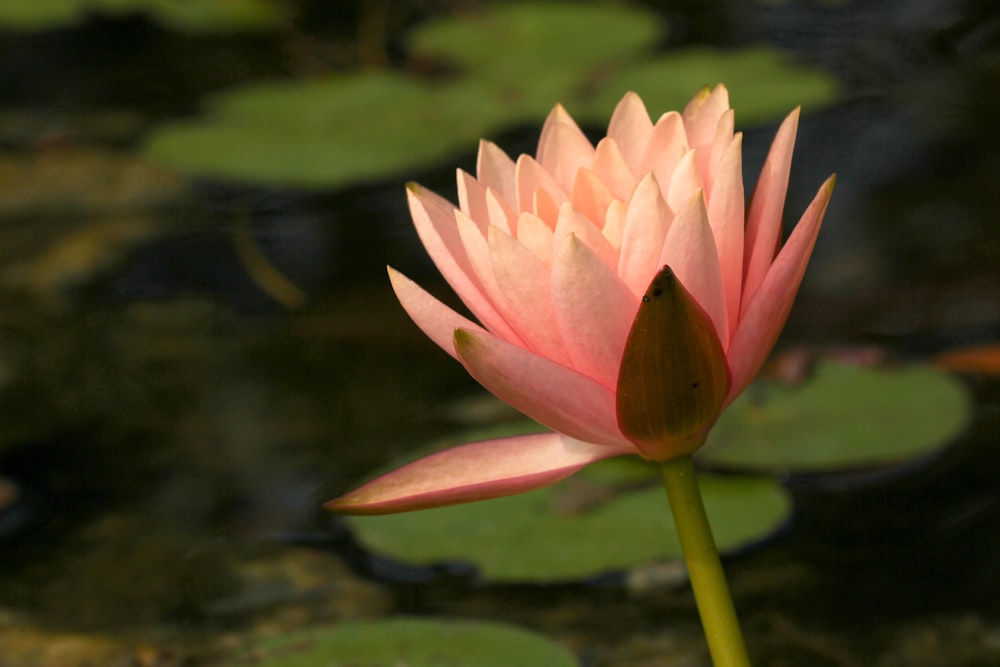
(711, 593)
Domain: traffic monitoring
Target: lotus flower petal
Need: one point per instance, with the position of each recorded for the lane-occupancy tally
(477, 471)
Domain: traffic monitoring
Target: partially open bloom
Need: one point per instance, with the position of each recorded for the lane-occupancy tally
(563, 258)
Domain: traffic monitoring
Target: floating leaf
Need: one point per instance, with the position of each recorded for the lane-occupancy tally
(538, 54)
(763, 83)
(328, 132)
(845, 417)
(610, 517)
(411, 642)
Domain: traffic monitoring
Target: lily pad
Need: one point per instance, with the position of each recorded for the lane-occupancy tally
(763, 82)
(537, 54)
(844, 418)
(193, 15)
(411, 642)
(610, 517)
(327, 132)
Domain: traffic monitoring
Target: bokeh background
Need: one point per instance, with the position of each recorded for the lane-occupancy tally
(198, 344)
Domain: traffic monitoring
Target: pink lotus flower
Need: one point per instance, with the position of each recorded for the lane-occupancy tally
(554, 256)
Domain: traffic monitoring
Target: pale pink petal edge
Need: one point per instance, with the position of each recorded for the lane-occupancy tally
(477, 471)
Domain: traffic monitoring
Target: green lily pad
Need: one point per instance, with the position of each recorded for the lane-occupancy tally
(193, 15)
(411, 642)
(537, 54)
(327, 132)
(763, 83)
(610, 517)
(845, 417)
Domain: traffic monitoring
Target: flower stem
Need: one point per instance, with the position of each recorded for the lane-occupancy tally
(711, 593)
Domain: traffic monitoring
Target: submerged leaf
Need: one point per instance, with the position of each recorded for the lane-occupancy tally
(414, 642)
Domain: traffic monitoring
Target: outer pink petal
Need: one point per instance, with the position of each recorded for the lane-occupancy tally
(478, 471)
(724, 134)
(435, 319)
(550, 393)
(594, 310)
(630, 127)
(690, 251)
(646, 223)
(495, 170)
(766, 313)
(435, 220)
(763, 228)
(614, 223)
(726, 215)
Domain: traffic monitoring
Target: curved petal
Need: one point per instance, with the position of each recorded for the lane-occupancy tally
(690, 251)
(436, 221)
(563, 148)
(594, 310)
(726, 215)
(435, 319)
(550, 393)
(495, 170)
(684, 182)
(630, 127)
(573, 222)
(701, 121)
(590, 196)
(763, 228)
(609, 164)
(531, 177)
(523, 281)
(767, 311)
(477, 471)
(666, 147)
(646, 223)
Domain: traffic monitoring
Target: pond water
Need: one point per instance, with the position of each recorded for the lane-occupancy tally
(190, 367)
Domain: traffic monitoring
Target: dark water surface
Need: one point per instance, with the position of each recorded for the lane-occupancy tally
(172, 415)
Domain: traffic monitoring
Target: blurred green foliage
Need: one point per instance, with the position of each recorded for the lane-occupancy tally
(505, 66)
(194, 15)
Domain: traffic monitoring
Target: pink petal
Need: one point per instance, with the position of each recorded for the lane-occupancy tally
(667, 145)
(726, 215)
(701, 121)
(763, 228)
(435, 319)
(684, 182)
(531, 177)
(536, 236)
(690, 251)
(475, 201)
(630, 127)
(594, 310)
(614, 223)
(495, 170)
(609, 164)
(573, 222)
(590, 196)
(766, 313)
(724, 134)
(435, 220)
(545, 208)
(499, 213)
(477, 471)
(524, 285)
(563, 148)
(552, 394)
(646, 223)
